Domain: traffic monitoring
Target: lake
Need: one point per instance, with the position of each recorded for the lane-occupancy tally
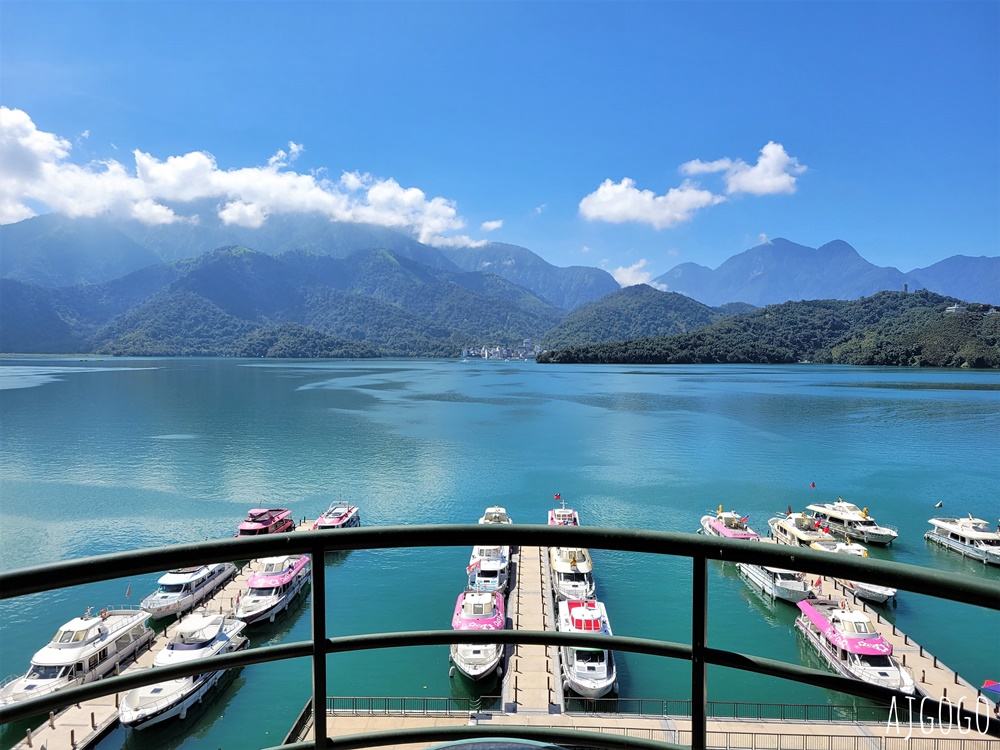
(106, 455)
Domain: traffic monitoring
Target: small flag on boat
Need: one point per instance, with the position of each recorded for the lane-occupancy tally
(128, 591)
(826, 529)
(819, 583)
(744, 519)
(558, 496)
(813, 485)
(939, 503)
(817, 524)
(473, 568)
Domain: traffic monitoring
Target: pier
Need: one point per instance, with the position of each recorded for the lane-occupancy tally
(532, 693)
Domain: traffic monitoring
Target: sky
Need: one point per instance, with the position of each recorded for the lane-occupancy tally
(630, 136)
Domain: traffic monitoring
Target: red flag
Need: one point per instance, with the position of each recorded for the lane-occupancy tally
(744, 519)
(819, 582)
(473, 568)
(816, 525)
(813, 485)
(558, 496)
(826, 529)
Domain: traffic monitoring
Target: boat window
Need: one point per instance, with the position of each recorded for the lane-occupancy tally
(250, 532)
(876, 661)
(261, 592)
(39, 672)
(171, 588)
(590, 657)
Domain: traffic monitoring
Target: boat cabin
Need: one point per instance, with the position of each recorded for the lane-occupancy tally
(266, 521)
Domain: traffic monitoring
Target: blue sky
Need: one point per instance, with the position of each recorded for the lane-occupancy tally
(629, 136)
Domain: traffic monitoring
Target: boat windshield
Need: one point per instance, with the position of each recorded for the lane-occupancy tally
(574, 577)
(251, 532)
(171, 588)
(590, 657)
(489, 552)
(785, 575)
(69, 636)
(861, 627)
(261, 591)
(873, 660)
(40, 672)
(274, 567)
(477, 609)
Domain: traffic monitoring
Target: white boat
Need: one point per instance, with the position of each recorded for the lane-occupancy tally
(870, 591)
(970, 536)
(846, 640)
(776, 583)
(478, 610)
(589, 672)
(571, 570)
(728, 524)
(83, 650)
(495, 514)
(273, 587)
(198, 636)
(183, 589)
(489, 568)
(848, 520)
(797, 529)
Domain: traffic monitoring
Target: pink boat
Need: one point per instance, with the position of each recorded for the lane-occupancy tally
(848, 641)
(563, 516)
(478, 610)
(273, 587)
(728, 524)
(339, 516)
(266, 521)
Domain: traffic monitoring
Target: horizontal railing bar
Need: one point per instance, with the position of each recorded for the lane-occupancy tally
(564, 737)
(371, 641)
(941, 584)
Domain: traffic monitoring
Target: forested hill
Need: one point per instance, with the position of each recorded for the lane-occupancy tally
(888, 328)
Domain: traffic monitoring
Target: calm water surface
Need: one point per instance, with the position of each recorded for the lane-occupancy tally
(102, 456)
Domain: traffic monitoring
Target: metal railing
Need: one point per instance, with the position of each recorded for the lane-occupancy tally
(700, 549)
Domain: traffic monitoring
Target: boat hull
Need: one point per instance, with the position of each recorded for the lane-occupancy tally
(759, 578)
(253, 611)
(966, 550)
(476, 662)
(591, 688)
(160, 609)
(827, 653)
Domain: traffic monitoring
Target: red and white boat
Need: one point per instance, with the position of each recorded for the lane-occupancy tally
(848, 641)
(478, 610)
(273, 587)
(589, 672)
(339, 516)
(563, 516)
(266, 521)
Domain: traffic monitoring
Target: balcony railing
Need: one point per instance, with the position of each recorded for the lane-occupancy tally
(700, 549)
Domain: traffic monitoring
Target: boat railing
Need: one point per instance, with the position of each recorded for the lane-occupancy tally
(699, 549)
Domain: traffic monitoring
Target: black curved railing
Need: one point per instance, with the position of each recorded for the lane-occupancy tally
(700, 549)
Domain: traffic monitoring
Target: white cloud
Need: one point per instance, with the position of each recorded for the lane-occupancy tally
(632, 275)
(539, 209)
(774, 172)
(619, 202)
(584, 249)
(35, 169)
(491, 226)
(763, 240)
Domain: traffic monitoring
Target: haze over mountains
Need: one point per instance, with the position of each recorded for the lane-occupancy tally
(311, 287)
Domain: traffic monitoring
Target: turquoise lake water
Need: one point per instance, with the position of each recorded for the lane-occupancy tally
(100, 456)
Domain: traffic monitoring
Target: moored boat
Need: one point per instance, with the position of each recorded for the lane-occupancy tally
(339, 516)
(776, 583)
(870, 591)
(798, 530)
(266, 521)
(571, 570)
(85, 649)
(198, 636)
(850, 521)
(478, 610)
(563, 516)
(489, 568)
(273, 587)
(971, 537)
(182, 589)
(589, 672)
(848, 642)
(495, 514)
(728, 524)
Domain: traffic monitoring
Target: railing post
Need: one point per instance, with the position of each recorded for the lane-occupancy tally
(319, 644)
(699, 631)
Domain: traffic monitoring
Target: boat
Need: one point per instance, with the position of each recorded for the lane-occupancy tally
(266, 521)
(970, 536)
(728, 524)
(850, 521)
(495, 514)
(870, 591)
(182, 589)
(339, 516)
(797, 529)
(776, 583)
(478, 610)
(489, 568)
(85, 649)
(846, 640)
(198, 636)
(563, 516)
(273, 587)
(571, 569)
(589, 672)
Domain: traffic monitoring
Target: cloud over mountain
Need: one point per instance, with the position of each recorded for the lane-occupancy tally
(36, 171)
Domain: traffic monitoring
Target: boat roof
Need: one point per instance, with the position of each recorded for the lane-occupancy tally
(840, 509)
(826, 614)
(565, 559)
(974, 528)
(263, 515)
(198, 628)
(586, 616)
(186, 575)
(340, 509)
